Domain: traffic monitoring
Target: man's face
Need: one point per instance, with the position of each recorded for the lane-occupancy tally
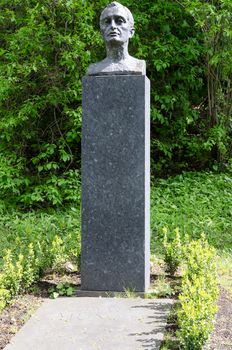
(115, 26)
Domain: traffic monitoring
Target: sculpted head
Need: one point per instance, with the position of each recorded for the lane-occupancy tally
(117, 27)
(116, 23)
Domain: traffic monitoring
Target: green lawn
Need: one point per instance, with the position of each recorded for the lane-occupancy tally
(194, 202)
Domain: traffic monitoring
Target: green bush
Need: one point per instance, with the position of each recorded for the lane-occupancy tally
(12, 276)
(4, 296)
(172, 251)
(198, 296)
(46, 47)
(40, 228)
(45, 50)
(30, 267)
(31, 244)
(57, 253)
(18, 274)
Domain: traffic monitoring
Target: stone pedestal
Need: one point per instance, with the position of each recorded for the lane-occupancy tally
(115, 183)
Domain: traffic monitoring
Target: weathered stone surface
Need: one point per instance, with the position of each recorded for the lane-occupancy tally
(95, 324)
(115, 183)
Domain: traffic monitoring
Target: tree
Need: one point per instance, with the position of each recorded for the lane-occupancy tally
(214, 18)
(45, 49)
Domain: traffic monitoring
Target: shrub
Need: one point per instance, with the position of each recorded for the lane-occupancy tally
(18, 274)
(4, 297)
(12, 275)
(33, 242)
(198, 296)
(172, 252)
(57, 252)
(45, 50)
(30, 267)
(200, 260)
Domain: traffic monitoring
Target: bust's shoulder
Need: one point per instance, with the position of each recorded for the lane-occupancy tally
(141, 62)
(93, 68)
(131, 65)
(140, 66)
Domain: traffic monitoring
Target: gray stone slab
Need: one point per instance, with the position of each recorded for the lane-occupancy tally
(94, 324)
(115, 183)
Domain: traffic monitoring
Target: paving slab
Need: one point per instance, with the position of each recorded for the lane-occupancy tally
(95, 324)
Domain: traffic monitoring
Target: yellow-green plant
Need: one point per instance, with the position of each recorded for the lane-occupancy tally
(57, 252)
(17, 274)
(30, 267)
(198, 296)
(4, 297)
(31, 243)
(172, 251)
(12, 273)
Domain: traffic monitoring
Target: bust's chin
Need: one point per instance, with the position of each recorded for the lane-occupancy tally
(114, 41)
(129, 66)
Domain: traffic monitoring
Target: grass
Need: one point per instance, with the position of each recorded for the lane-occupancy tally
(193, 202)
(224, 264)
(196, 203)
(38, 227)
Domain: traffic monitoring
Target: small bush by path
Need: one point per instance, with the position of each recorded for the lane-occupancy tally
(197, 301)
(198, 295)
(32, 243)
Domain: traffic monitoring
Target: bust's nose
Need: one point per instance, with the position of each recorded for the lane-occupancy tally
(113, 24)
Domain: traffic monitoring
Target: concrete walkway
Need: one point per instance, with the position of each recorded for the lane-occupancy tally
(95, 324)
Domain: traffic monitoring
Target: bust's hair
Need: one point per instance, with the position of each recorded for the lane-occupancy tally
(116, 4)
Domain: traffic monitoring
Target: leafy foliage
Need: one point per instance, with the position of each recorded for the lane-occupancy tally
(214, 18)
(61, 289)
(199, 288)
(46, 47)
(196, 203)
(198, 296)
(31, 243)
(173, 254)
(166, 38)
(44, 54)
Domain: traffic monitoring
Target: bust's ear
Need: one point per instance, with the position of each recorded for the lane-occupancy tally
(132, 31)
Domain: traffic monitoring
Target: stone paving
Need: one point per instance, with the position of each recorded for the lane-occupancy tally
(90, 323)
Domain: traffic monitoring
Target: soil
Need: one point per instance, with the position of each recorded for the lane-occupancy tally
(221, 338)
(21, 309)
(14, 316)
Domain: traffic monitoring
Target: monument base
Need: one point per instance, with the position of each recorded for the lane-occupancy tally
(109, 294)
(115, 183)
(149, 294)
